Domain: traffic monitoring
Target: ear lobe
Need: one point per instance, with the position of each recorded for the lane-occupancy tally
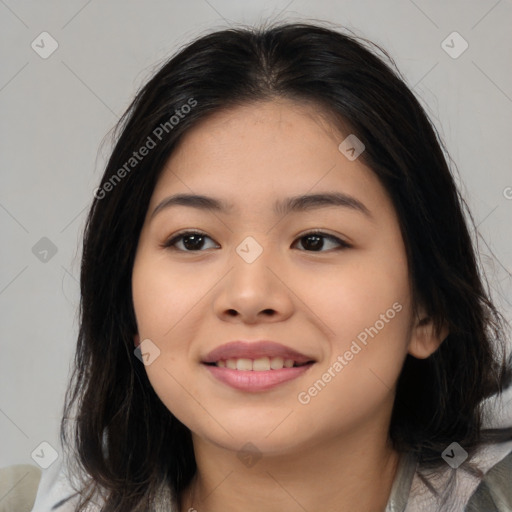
(136, 340)
(424, 340)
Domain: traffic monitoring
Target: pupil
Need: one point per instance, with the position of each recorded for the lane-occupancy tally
(198, 241)
(318, 241)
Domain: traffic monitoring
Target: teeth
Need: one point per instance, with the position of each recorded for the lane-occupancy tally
(243, 364)
(276, 363)
(261, 364)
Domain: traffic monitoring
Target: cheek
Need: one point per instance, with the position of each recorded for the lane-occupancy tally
(163, 295)
(353, 297)
(367, 309)
(166, 315)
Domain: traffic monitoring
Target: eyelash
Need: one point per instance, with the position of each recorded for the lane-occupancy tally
(179, 236)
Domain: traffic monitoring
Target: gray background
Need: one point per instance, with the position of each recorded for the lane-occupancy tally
(57, 111)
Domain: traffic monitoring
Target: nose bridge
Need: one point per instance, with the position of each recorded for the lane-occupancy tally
(251, 287)
(252, 257)
(250, 250)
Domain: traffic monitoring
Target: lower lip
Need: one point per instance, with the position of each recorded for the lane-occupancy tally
(250, 380)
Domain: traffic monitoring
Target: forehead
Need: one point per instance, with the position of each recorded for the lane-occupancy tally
(264, 129)
(256, 153)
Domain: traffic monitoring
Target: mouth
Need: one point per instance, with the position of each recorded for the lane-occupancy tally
(256, 366)
(260, 364)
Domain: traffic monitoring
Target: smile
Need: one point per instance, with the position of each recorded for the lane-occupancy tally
(256, 375)
(261, 364)
(256, 365)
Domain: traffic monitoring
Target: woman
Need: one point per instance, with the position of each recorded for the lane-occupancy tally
(281, 305)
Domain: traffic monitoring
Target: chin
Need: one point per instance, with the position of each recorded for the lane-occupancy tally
(269, 438)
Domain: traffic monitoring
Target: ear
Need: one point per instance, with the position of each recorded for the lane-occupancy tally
(136, 340)
(424, 341)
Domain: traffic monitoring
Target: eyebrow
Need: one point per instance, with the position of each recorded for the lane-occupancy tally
(300, 203)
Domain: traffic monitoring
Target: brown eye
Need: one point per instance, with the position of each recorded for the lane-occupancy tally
(191, 241)
(194, 241)
(315, 241)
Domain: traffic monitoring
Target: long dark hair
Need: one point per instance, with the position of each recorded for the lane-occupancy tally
(127, 442)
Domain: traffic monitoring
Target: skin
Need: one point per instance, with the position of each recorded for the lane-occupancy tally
(333, 451)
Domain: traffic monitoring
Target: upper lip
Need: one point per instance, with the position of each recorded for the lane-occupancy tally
(254, 350)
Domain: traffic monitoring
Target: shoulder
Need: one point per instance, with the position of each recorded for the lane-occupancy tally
(56, 491)
(480, 484)
(494, 493)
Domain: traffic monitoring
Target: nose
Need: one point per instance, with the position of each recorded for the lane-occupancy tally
(254, 291)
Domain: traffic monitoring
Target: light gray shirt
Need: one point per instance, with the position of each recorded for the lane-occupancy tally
(461, 490)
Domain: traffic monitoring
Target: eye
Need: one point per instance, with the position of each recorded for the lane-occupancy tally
(193, 241)
(315, 240)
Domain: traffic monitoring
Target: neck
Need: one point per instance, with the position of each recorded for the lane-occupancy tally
(338, 474)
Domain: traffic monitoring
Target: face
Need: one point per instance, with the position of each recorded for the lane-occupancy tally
(337, 299)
